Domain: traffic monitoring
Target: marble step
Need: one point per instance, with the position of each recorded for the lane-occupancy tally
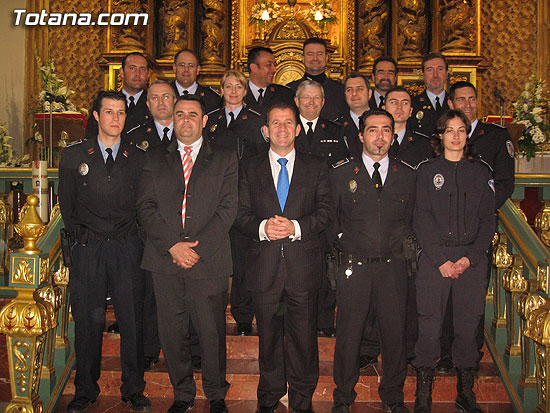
(113, 404)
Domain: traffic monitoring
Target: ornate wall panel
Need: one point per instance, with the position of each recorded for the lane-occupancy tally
(77, 50)
(372, 28)
(410, 30)
(455, 27)
(138, 37)
(508, 43)
(214, 29)
(175, 19)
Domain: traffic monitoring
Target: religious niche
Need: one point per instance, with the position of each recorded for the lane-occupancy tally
(130, 37)
(458, 28)
(411, 26)
(174, 17)
(372, 19)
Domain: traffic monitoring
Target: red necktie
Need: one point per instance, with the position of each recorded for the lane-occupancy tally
(187, 163)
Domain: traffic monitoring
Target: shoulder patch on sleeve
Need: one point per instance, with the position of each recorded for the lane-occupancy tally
(340, 163)
(77, 142)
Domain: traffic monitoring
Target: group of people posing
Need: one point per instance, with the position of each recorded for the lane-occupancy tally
(312, 196)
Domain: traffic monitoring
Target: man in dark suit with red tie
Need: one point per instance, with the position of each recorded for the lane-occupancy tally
(187, 203)
(284, 204)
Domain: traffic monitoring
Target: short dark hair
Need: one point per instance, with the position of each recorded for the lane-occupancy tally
(398, 88)
(459, 85)
(374, 112)
(192, 98)
(134, 54)
(315, 40)
(282, 105)
(254, 54)
(440, 126)
(384, 59)
(187, 51)
(107, 94)
(357, 75)
(432, 56)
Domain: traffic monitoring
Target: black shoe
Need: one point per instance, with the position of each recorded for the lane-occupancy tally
(424, 387)
(150, 362)
(179, 406)
(218, 406)
(326, 332)
(196, 363)
(466, 399)
(396, 408)
(267, 409)
(139, 402)
(79, 404)
(444, 365)
(366, 361)
(113, 328)
(340, 408)
(244, 329)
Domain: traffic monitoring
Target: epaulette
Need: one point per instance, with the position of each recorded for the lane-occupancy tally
(277, 85)
(213, 90)
(483, 161)
(497, 125)
(340, 163)
(77, 142)
(212, 111)
(406, 164)
(254, 112)
(421, 134)
(421, 162)
(134, 128)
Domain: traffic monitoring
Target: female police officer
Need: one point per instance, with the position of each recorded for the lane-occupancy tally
(454, 222)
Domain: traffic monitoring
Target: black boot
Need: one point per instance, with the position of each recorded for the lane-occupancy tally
(424, 385)
(466, 399)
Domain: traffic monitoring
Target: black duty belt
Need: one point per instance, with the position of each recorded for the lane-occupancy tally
(344, 258)
(108, 236)
(444, 243)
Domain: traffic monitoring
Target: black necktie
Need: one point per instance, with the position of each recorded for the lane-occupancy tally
(381, 102)
(260, 96)
(376, 178)
(309, 133)
(395, 146)
(132, 105)
(110, 160)
(437, 104)
(185, 92)
(232, 116)
(165, 138)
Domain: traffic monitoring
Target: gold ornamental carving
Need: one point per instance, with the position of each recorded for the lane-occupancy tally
(517, 203)
(24, 273)
(213, 33)
(130, 37)
(501, 257)
(542, 223)
(529, 303)
(55, 212)
(410, 29)
(61, 276)
(538, 325)
(542, 277)
(6, 213)
(458, 26)
(541, 357)
(30, 226)
(372, 17)
(44, 270)
(512, 278)
(174, 16)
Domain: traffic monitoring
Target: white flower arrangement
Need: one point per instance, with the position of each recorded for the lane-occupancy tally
(321, 12)
(7, 157)
(529, 112)
(265, 12)
(54, 95)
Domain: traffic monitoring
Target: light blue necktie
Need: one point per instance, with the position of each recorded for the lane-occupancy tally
(282, 183)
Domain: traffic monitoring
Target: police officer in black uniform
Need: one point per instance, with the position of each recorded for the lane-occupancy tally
(134, 73)
(262, 92)
(187, 68)
(238, 128)
(454, 221)
(97, 194)
(374, 197)
(315, 59)
(358, 93)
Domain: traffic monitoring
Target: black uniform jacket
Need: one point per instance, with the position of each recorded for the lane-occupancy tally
(89, 197)
(372, 225)
(335, 100)
(145, 135)
(494, 144)
(243, 135)
(414, 148)
(274, 93)
(210, 210)
(134, 117)
(455, 206)
(327, 141)
(210, 97)
(424, 114)
(351, 133)
(309, 202)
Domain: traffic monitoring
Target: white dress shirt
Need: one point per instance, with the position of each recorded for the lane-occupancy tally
(354, 117)
(191, 90)
(195, 148)
(275, 169)
(160, 129)
(255, 90)
(305, 121)
(383, 169)
(474, 124)
(136, 96)
(432, 97)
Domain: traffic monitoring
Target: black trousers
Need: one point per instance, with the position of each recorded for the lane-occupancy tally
(382, 288)
(370, 344)
(241, 301)
(203, 301)
(151, 341)
(326, 306)
(287, 322)
(432, 294)
(99, 266)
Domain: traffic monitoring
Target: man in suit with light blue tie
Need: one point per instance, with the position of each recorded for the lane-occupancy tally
(284, 204)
